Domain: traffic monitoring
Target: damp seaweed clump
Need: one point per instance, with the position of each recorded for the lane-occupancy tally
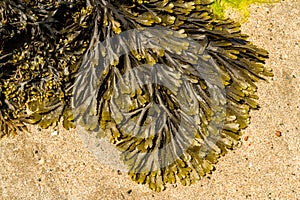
(42, 43)
(172, 118)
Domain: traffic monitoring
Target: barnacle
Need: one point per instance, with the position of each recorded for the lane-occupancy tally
(168, 83)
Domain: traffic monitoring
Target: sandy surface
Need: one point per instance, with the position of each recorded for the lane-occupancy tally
(41, 165)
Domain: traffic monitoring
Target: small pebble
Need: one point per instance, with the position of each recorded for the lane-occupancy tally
(54, 133)
(41, 161)
(278, 133)
(129, 191)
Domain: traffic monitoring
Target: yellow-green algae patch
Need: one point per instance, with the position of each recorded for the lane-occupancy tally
(220, 7)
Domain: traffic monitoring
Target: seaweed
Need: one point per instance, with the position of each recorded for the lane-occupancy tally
(241, 6)
(167, 82)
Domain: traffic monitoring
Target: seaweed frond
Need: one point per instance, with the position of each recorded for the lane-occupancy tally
(167, 82)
